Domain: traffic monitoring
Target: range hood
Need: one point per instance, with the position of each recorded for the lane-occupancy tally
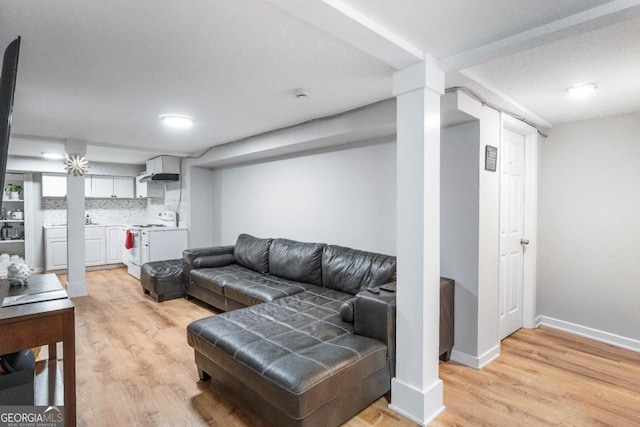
(161, 177)
(162, 169)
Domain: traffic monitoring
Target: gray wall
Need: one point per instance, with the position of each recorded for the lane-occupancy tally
(589, 229)
(459, 234)
(203, 208)
(345, 197)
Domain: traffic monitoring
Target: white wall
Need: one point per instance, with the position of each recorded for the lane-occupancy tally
(344, 197)
(589, 229)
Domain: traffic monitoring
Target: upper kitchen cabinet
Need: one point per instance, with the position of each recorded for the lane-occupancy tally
(124, 187)
(163, 164)
(121, 187)
(54, 185)
(97, 186)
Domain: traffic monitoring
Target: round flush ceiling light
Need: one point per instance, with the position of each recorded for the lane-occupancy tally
(582, 90)
(176, 120)
(53, 156)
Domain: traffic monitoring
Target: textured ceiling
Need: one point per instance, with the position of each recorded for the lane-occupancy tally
(102, 72)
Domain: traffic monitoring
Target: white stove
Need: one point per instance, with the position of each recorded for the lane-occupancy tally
(154, 242)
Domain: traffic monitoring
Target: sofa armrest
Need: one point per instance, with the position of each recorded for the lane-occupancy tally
(447, 297)
(189, 257)
(347, 310)
(213, 261)
(375, 317)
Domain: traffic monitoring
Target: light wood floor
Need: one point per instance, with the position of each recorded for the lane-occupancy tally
(135, 368)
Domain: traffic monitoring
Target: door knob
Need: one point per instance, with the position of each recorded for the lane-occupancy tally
(524, 241)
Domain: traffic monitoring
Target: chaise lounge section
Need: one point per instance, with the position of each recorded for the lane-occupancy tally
(310, 338)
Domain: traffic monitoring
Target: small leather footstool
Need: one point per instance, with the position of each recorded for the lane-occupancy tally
(162, 279)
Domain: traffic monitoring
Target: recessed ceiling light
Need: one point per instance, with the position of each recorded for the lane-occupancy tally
(176, 120)
(54, 156)
(582, 90)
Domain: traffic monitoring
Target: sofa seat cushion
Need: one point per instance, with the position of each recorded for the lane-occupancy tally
(214, 279)
(298, 351)
(246, 286)
(262, 289)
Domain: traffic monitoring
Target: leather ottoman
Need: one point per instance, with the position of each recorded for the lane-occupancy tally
(162, 279)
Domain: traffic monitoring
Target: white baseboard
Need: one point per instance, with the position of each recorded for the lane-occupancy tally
(594, 334)
(420, 406)
(476, 362)
(538, 321)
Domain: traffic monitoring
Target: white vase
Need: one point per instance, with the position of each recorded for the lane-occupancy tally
(14, 195)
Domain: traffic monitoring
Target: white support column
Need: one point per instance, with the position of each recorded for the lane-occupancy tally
(416, 391)
(76, 277)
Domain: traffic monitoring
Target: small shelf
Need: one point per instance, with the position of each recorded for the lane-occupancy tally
(12, 200)
(11, 241)
(12, 220)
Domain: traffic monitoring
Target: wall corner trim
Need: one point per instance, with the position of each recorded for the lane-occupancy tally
(476, 362)
(420, 406)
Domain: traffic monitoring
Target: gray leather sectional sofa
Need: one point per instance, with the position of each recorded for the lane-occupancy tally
(305, 341)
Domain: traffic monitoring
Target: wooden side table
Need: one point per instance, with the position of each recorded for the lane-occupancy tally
(42, 323)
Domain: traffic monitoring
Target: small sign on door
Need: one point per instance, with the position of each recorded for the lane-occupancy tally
(490, 158)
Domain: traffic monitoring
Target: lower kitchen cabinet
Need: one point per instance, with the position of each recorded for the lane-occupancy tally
(56, 253)
(114, 245)
(95, 248)
(96, 242)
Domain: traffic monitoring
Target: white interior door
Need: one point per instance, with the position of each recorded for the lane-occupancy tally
(512, 239)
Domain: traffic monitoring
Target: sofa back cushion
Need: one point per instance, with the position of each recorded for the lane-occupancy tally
(252, 253)
(350, 270)
(296, 260)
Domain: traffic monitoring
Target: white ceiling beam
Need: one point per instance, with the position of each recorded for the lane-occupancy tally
(347, 24)
(589, 20)
(521, 110)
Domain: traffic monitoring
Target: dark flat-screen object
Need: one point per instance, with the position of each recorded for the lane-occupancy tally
(7, 90)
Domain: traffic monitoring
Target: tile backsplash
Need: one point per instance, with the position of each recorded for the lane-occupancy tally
(105, 211)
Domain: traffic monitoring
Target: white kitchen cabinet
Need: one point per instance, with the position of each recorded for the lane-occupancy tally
(95, 250)
(98, 186)
(54, 185)
(148, 189)
(96, 241)
(56, 250)
(163, 164)
(123, 187)
(101, 186)
(104, 186)
(87, 186)
(115, 243)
